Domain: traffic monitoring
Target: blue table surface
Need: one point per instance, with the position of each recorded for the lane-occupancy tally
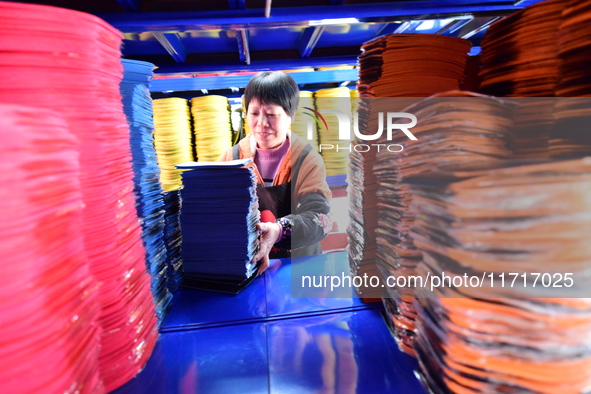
(266, 297)
(263, 340)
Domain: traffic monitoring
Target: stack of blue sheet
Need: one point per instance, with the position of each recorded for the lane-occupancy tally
(218, 221)
(137, 106)
(172, 238)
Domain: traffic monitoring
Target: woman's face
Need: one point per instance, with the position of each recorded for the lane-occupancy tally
(269, 123)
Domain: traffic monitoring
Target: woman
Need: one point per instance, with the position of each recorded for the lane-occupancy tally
(291, 175)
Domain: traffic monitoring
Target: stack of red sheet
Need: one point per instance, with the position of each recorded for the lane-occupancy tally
(453, 128)
(518, 314)
(70, 62)
(48, 304)
(520, 53)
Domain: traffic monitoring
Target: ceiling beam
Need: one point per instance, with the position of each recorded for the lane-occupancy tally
(267, 8)
(255, 66)
(387, 28)
(480, 28)
(242, 40)
(455, 25)
(302, 16)
(173, 45)
(130, 5)
(309, 40)
(404, 27)
(525, 3)
(240, 81)
(448, 26)
(237, 4)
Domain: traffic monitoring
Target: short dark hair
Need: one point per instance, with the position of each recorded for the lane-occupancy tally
(273, 87)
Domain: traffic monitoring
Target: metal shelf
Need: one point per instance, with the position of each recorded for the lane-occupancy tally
(206, 36)
(240, 81)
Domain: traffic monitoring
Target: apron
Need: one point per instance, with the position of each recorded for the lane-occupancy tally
(278, 200)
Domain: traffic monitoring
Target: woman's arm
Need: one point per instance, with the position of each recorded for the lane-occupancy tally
(310, 223)
(311, 220)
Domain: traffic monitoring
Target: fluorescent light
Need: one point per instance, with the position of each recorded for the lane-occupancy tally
(435, 23)
(426, 25)
(335, 21)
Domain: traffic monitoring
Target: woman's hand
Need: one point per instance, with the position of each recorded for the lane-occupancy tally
(269, 234)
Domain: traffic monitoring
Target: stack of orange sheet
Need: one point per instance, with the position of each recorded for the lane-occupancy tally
(402, 66)
(362, 182)
(370, 64)
(570, 137)
(521, 321)
(534, 123)
(520, 53)
(453, 128)
(574, 43)
(418, 65)
(519, 58)
(363, 209)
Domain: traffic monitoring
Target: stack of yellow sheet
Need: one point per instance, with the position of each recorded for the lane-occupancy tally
(172, 139)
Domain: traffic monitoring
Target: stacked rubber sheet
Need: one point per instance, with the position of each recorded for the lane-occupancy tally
(137, 106)
(520, 52)
(534, 124)
(453, 129)
(520, 58)
(173, 238)
(382, 73)
(218, 221)
(363, 208)
(362, 183)
(574, 42)
(49, 310)
(212, 126)
(570, 137)
(172, 139)
(69, 62)
(413, 65)
(515, 314)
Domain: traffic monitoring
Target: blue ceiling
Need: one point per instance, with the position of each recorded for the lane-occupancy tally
(192, 37)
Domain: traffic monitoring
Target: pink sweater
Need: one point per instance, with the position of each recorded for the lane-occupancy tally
(268, 161)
